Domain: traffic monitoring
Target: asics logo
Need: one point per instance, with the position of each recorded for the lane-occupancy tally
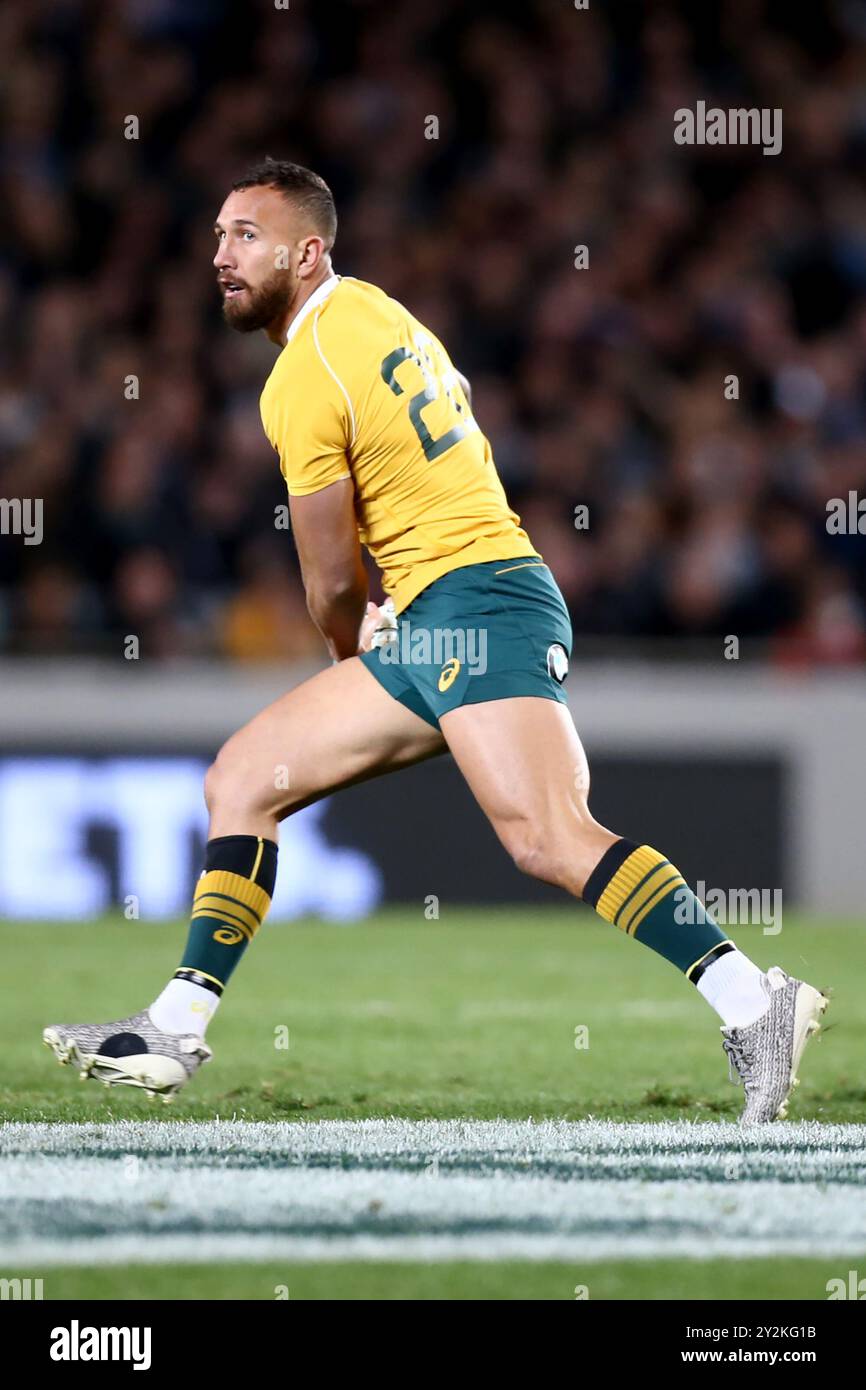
(228, 936)
(448, 674)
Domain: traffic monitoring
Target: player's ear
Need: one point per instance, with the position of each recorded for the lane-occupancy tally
(312, 249)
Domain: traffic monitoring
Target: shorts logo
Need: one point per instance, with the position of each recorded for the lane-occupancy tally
(448, 674)
(557, 662)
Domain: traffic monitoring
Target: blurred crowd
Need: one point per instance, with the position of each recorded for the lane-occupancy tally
(698, 386)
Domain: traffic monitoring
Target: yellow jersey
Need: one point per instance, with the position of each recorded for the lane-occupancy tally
(362, 390)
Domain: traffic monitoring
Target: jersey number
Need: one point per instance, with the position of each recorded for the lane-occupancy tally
(433, 448)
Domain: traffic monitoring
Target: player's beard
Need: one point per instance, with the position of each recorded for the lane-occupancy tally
(262, 306)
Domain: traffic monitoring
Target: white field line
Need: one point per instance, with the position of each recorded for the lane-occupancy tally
(523, 1139)
(428, 1249)
(376, 1189)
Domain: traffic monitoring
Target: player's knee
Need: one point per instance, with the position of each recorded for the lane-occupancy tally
(563, 860)
(538, 856)
(228, 781)
(215, 784)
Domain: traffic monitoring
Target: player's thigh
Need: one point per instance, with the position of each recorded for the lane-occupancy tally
(525, 765)
(336, 728)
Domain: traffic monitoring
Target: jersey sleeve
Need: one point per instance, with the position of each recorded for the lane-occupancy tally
(308, 424)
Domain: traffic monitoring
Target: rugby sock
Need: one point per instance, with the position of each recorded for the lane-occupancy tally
(637, 889)
(184, 1007)
(231, 899)
(732, 985)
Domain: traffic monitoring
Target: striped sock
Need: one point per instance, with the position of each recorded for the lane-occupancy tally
(638, 890)
(231, 900)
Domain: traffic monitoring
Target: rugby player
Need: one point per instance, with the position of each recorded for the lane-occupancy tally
(379, 448)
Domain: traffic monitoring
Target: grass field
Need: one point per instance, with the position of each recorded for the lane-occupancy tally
(514, 1280)
(472, 1018)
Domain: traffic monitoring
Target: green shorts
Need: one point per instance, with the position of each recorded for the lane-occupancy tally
(482, 632)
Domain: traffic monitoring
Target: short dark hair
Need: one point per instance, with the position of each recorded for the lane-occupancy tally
(308, 190)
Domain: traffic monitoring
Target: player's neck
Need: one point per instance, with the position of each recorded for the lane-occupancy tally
(279, 328)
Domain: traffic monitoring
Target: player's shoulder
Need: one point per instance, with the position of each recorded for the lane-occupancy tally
(360, 329)
(334, 344)
(299, 372)
(358, 313)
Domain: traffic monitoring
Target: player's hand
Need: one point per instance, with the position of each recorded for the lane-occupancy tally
(377, 625)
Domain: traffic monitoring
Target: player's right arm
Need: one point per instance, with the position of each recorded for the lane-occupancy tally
(335, 581)
(308, 418)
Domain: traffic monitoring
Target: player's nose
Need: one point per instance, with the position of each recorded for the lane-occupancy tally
(223, 260)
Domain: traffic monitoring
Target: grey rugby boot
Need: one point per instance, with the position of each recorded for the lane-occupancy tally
(130, 1052)
(767, 1053)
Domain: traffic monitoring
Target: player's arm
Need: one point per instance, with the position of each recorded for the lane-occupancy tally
(326, 535)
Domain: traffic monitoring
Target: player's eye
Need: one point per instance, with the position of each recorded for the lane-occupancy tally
(250, 234)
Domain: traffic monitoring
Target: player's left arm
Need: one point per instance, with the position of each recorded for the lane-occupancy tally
(325, 529)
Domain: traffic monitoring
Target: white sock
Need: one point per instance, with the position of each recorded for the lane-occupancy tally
(184, 1007)
(732, 986)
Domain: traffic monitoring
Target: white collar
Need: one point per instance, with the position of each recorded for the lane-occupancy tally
(316, 298)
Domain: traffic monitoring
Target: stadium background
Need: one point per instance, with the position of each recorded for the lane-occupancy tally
(490, 1103)
(600, 387)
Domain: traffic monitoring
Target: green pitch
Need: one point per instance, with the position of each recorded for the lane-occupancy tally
(506, 1280)
(473, 1015)
(515, 1014)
